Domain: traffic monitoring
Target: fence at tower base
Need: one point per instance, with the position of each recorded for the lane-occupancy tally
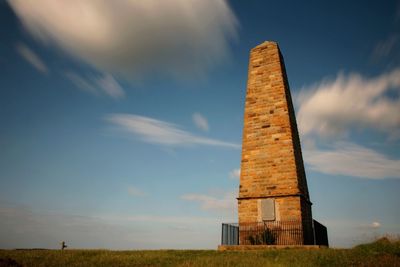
(321, 234)
(274, 233)
(230, 234)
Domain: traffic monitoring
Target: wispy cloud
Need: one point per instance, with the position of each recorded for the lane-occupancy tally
(32, 58)
(163, 219)
(110, 86)
(100, 84)
(373, 225)
(82, 83)
(169, 37)
(349, 159)
(386, 47)
(23, 227)
(226, 203)
(160, 132)
(200, 121)
(136, 192)
(333, 107)
(235, 174)
(348, 232)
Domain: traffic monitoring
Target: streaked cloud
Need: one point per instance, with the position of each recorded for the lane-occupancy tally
(24, 227)
(349, 159)
(163, 219)
(386, 50)
(110, 86)
(224, 203)
(81, 83)
(170, 37)
(385, 47)
(160, 132)
(136, 192)
(351, 102)
(200, 121)
(32, 58)
(97, 84)
(235, 174)
(375, 225)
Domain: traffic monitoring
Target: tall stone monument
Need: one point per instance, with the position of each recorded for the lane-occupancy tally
(273, 186)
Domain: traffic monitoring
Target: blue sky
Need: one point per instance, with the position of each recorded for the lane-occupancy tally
(121, 122)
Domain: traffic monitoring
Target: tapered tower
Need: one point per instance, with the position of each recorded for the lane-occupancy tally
(273, 188)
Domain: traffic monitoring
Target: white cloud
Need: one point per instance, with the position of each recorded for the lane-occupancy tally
(200, 121)
(335, 108)
(235, 174)
(375, 225)
(332, 107)
(172, 37)
(32, 58)
(352, 160)
(226, 203)
(101, 84)
(160, 132)
(136, 192)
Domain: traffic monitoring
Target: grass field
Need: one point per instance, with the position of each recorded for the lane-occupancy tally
(379, 253)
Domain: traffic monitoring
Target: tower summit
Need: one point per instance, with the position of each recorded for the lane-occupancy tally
(273, 186)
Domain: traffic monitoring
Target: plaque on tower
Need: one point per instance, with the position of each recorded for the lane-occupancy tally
(267, 209)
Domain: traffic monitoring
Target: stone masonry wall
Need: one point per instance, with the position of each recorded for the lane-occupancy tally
(272, 164)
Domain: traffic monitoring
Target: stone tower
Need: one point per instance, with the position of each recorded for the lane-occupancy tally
(273, 186)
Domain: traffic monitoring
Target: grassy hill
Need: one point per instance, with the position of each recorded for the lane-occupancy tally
(379, 253)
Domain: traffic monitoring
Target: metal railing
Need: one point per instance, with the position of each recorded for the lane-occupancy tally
(321, 234)
(268, 233)
(275, 233)
(272, 233)
(230, 234)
